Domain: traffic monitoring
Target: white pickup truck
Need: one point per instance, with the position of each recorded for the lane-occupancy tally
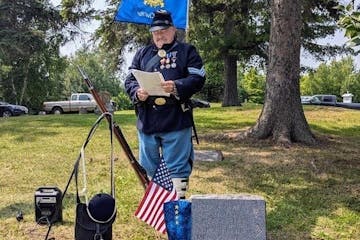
(78, 102)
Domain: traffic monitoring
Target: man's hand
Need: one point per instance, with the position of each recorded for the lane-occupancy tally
(141, 94)
(168, 86)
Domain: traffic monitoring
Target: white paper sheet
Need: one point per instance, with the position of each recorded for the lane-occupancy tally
(150, 82)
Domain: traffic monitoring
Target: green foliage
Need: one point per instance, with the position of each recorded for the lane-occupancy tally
(305, 84)
(253, 84)
(350, 21)
(4, 73)
(123, 101)
(336, 78)
(217, 28)
(45, 81)
(319, 21)
(116, 38)
(95, 64)
(29, 45)
(75, 11)
(214, 85)
(352, 85)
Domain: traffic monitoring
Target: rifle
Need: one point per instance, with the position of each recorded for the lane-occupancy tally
(139, 170)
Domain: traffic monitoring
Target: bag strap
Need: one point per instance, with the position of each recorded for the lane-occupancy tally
(77, 162)
(155, 59)
(112, 180)
(82, 159)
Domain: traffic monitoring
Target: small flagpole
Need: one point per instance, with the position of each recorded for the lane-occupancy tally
(186, 39)
(187, 21)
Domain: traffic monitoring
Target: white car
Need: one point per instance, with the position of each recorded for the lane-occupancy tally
(306, 99)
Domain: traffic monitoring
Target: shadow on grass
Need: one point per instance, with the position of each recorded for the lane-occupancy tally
(28, 209)
(301, 184)
(29, 226)
(31, 128)
(216, 125)
(12, 210)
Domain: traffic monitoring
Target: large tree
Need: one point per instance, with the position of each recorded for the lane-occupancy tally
(29, 44)
(282, 117)
(229, 34)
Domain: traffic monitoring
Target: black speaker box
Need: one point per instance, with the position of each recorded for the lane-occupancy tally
(48, 206)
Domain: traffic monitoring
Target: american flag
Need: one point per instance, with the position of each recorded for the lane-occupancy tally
(159, 191)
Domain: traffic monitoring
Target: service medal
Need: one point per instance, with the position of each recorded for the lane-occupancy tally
(167, 66)
(160, 101)
(161, 53)
(173, 65)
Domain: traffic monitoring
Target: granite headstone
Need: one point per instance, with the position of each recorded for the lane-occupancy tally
(228, 217)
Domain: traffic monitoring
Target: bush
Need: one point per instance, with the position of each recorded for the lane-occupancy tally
(123, 101)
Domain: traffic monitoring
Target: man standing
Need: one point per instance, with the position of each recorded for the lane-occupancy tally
(165, 123)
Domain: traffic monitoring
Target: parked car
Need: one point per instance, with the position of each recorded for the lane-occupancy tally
(306, 99)
(76, 103)
(331, 100)
(8, 110)
(324, 99)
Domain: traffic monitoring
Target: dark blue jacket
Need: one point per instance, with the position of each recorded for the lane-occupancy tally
(185, 67)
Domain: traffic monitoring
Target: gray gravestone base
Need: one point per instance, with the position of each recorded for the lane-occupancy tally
(208, 155)
(228, 217)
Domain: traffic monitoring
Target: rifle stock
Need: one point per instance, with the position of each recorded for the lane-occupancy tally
(139, 170)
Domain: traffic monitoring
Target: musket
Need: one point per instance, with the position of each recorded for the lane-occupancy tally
(139, 170)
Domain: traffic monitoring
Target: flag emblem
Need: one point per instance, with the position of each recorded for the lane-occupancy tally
(159, 191)
(154, 3)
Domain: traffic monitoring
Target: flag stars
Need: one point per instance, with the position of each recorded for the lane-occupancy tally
(162, 176)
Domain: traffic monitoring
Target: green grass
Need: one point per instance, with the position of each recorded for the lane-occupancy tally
(310, 192)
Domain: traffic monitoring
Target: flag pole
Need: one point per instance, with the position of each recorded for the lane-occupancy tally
(187, 21)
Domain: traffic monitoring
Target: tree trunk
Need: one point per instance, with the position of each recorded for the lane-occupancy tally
(25, 83)
(230, 70)
(282, 117)
(230, 92)
(13, 88)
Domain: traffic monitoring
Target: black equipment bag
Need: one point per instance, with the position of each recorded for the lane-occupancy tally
(88, 229)
(94, 218)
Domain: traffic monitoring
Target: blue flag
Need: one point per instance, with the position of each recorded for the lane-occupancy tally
(142, 11)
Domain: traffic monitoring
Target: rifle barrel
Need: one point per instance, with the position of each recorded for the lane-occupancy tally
(139, 170)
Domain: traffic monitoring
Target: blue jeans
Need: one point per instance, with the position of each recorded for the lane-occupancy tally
(175, 147)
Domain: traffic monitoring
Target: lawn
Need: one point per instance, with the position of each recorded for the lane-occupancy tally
(310, 192)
